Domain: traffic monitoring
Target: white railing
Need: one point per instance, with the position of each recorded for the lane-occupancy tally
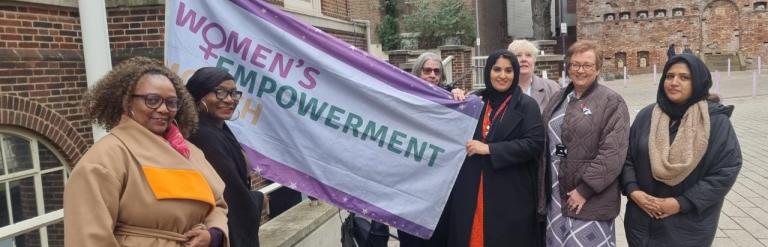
(448, 67)
(57, 216)
(32, 224)
(478, 64)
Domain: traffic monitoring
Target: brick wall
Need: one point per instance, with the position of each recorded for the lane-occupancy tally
(336, 8)
(367, 10)
(42, 79)
(462, 64)
(357, 39)
(638, 38)
(136, 31)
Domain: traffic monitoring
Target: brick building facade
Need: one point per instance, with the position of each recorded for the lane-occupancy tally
(43, 130)
(636, 34)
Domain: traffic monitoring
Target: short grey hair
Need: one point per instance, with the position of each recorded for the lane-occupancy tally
(522, 45)
(422, 59)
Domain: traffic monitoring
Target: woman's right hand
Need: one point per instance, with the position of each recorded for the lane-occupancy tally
(458, 94)
(646, 202)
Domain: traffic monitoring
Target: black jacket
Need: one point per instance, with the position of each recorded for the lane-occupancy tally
(509, 174)
(224, 153)
(700, 195)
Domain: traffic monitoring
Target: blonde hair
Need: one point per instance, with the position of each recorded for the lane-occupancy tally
(522, 45)
(582, 46)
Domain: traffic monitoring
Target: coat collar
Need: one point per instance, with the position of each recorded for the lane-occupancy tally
(509, 121)
(147, 147)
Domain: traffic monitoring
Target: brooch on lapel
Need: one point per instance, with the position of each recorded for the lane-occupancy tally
(585, 109)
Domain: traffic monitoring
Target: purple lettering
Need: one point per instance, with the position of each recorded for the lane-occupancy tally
(278, 62)
(182, 19)
(257, 53)
(308, 74)
(244, 45)
(208, 51)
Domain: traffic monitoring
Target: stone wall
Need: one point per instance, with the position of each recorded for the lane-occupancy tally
(637, 34)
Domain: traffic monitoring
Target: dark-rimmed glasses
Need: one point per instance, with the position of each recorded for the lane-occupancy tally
(221, 94)
(577, 67)
(153, 101)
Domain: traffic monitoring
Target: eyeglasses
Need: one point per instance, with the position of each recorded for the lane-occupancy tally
(586, 66)
(153, 101)
(430, 70)
(221, 94)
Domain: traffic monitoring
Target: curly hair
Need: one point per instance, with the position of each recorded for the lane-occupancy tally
(108, 99)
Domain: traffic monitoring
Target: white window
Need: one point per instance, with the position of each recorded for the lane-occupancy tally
(304, 6)
(32, 178)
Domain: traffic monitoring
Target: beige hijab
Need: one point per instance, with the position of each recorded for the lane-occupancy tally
(671, 164)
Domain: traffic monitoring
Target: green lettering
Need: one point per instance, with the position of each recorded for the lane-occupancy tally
(267, 85)
(435, 151)
(370, 130)
(413, 144)
(222, 61)
(332, 117)
(249, 80)
(305, 107)
(354, 122)
(393, 141)
(280, 97)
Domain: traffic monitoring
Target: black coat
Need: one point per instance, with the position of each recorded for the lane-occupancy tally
(509, 176)
(224, 153)
(700, 195)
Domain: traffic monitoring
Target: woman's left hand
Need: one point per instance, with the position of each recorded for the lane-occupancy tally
(477, 147)
(458, 94)
(669, 206)
(198, 238)
(576, 201)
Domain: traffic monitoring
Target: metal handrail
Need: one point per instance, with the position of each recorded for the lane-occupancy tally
(448, 67)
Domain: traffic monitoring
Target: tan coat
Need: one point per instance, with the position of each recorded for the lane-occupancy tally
(109, 201)
(542, 90)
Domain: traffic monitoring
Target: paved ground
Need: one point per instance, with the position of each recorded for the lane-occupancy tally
(744, 220)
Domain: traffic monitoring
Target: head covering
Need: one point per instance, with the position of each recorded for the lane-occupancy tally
(701, 82)
(205, 80)
(495, 98)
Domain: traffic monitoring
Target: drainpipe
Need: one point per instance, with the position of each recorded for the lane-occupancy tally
(98, 61)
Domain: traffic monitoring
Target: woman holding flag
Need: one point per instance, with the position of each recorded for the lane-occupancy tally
(493, 200)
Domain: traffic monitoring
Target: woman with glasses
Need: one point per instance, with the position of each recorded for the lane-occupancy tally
(587, 129)
(429, 67)
(683, 158)
(216, 96)
(143, 184)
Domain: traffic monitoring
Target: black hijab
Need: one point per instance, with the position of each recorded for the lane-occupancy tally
(701, 82)
(205, 80)
(495, 98)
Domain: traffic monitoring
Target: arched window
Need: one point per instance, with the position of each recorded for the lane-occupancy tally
(609, 17)
(660, 13)
(642, 14)
(32, 178)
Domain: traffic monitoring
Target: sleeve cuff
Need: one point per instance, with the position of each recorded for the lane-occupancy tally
(629, 188)
(216, 237)
(585, 190)
(685, 204)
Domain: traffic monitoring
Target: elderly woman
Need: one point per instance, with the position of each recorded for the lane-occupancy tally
(588, 125)
(216, 96)
(429, 68)
(143, 184)
(683, 159)
(538, 88)
(493, 202)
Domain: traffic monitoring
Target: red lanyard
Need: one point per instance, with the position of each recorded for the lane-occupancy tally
(487, 116)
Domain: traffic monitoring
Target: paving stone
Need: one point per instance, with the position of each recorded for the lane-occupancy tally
(742, 238)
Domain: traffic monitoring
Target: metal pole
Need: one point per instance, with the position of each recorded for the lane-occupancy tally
(625, 76)
(729, 68)
(655, 76)
(98, 61)
(754, 84)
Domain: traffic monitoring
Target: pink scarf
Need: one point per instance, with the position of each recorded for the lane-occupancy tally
(174, 137)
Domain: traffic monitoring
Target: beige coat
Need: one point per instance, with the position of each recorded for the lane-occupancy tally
(542, 90)
(110, 201)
